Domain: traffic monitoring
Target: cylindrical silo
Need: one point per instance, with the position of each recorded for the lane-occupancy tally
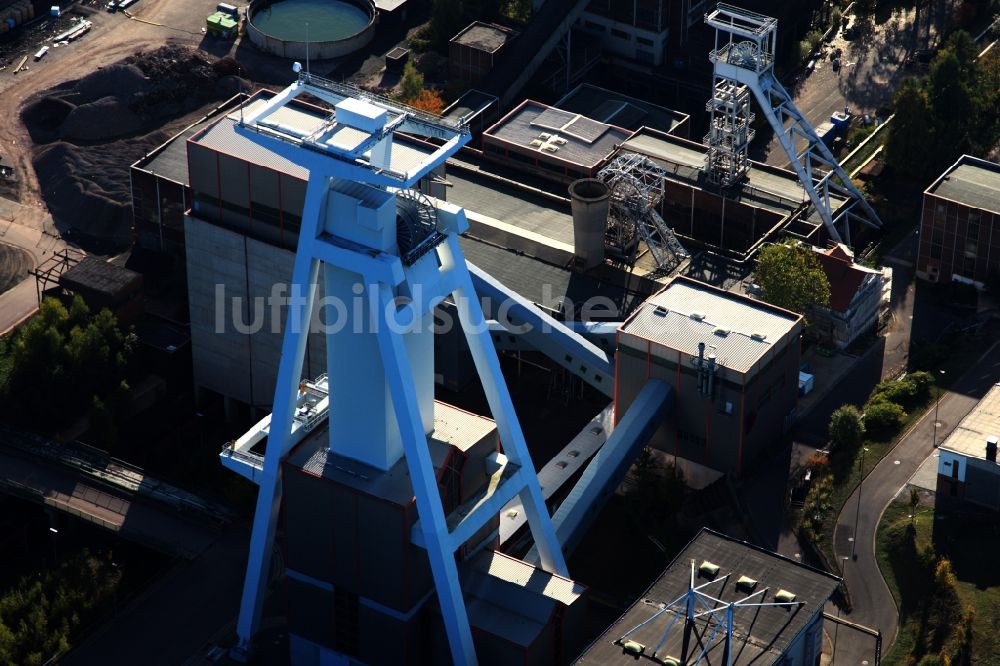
(590, 200)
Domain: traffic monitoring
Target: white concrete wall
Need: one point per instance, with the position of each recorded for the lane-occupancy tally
(628, 47)
(228, 359)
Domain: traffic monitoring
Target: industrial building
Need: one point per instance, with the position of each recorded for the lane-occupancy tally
(859, 296)
(967, 464)
(642, 30)
(620, 110)
(722, 601)
(474, 51)
(732, 222)
(734, 365)
(960, 225)
(552, 143)
(360, 588)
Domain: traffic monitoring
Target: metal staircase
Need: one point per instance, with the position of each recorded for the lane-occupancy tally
(637, 186)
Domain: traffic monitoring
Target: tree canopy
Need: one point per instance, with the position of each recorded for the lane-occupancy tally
(792, 277)
(846, 426)
(59, 360)
(949, 111)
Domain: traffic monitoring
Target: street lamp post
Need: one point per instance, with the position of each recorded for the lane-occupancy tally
(937, 402)
(857, 513)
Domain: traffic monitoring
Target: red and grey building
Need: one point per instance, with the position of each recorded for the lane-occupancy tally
(734, 365)
(960, 225)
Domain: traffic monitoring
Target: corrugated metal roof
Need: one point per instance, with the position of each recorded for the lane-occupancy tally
(971, 182)
(969, 438)
(524, 575)
(459, 428)
(687, 312)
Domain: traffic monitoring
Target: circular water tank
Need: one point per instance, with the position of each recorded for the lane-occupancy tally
(319, 29)
(590, 201)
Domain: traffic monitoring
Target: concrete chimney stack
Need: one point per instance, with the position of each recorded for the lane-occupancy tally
(591, 200)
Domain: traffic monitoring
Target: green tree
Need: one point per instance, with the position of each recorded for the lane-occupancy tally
(846, 426)
(908, 148)
(791, 277)
(411, 84)
(951, 104)
(60, 359)
(882, 417)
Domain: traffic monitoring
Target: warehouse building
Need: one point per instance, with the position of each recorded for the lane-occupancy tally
(960, 225)
(734, 365)
(644, 30)
(474, 51)
(967, 465)
(777, 610)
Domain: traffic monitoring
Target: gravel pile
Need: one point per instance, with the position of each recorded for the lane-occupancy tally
(87, 132)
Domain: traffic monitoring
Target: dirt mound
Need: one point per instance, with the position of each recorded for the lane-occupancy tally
(15, 263)
(88, 132)
(104, 119)
(88, 188)
(111, 80)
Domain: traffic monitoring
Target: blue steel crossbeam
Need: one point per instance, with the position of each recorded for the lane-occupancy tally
(349, 226)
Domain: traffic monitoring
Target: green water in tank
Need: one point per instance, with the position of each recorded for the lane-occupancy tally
(328, 20)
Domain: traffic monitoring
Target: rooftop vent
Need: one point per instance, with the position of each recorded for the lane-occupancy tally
(760, 337)
(558, 139)
(746, 584)
(784, 597)
(634, 648)
(545, 136)
(661, 311)
(708, 569)
(991, 447)
(722, 331)
(698, 316)
(536, 142)
(548, 147)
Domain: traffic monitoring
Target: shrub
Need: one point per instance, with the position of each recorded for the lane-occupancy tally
(411, 84)
(901, 392)
(846, 426)
(428, 100)
(882, 417)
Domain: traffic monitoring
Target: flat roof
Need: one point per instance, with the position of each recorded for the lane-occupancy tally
(971, 182)
(169, 160)
(760, 635)
(556, 134)
(484, 36)
(389, 5)
(546, 285)
(99, 276)
(766, 187)
(686, 312)
(470, 104)
(969, 438)
(614, 108)
(222, 136)
(452, 427)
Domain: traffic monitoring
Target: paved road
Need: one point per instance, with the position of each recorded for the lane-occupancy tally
(22, 300)
(865, 83)
(873, 604)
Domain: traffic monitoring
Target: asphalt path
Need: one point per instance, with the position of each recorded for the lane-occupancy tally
(873, 603)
